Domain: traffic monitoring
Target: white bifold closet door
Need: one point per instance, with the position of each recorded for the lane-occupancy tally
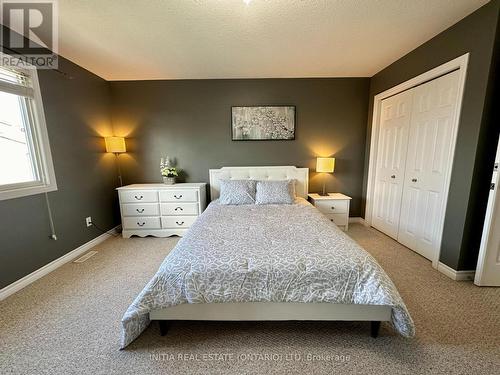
(427, 163)
(391, 159)
(423, 156)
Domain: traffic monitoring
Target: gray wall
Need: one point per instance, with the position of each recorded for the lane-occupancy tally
(191, 121)
(77, 115)
(467, 197)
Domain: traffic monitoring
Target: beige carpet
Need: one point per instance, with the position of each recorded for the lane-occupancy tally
(69, 321)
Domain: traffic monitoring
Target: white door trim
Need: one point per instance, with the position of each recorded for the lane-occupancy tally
(487, 247)
(458, 63)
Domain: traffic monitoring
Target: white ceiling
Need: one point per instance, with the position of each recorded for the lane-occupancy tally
(190, 39)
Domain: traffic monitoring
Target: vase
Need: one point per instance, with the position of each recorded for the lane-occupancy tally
(168, 180)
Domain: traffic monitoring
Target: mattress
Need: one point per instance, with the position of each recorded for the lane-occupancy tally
(265, 253)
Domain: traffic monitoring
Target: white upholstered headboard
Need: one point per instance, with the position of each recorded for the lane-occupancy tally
(300, 175)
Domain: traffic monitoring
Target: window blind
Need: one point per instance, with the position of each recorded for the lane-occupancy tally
(16, 81)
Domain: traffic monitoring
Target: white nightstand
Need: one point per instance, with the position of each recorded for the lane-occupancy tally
(334, 206)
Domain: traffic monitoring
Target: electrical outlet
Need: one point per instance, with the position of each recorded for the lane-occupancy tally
(88, 221)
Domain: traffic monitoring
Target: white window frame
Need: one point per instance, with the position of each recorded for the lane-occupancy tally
(39, 142)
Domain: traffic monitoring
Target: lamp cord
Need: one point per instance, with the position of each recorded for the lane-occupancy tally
(119, 169)
(51, 220)
(110, 232)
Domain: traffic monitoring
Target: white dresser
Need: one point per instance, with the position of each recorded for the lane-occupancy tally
(335, 206)
(160, 210)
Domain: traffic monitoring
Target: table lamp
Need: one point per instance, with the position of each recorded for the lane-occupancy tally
(325, 165)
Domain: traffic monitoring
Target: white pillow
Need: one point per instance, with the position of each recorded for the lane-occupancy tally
(275, 192)
(237, 192)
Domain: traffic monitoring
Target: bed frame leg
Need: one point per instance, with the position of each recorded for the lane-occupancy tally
(374, 329)
(163, 327)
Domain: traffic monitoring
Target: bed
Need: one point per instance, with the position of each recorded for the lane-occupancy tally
(266, 262)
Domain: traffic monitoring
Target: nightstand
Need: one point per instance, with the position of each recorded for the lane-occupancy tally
(334, 206)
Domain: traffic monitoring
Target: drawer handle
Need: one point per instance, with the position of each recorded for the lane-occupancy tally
(177, 196)
(179, 208)
(333, 208)
(393, 176)
(414, 180)
(141, 224)
(138, 197)
(179, 223)
(140, 210)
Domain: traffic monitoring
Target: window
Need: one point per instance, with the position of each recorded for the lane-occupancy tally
(25, 159)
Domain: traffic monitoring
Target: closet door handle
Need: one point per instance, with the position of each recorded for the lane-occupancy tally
(414, 180)
(141, 224)
(138, 197)
(179, 208)
(178, 196)
(393, 176)
(140, 210)
(179, 223)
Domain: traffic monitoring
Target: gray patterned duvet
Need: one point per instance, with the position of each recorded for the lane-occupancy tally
(265, 253)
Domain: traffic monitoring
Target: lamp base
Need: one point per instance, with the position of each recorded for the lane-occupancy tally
(323, 193)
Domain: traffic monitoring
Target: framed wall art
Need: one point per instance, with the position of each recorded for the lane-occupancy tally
(263, 123)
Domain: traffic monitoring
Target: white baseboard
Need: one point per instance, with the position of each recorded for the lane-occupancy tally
(443, 268)
(455, 275)
(358, 220)
(32, 277)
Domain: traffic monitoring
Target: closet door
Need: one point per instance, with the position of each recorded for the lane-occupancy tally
(428, 162)
(391, 156)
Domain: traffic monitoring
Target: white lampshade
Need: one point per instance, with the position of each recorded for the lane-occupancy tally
(115, 144)
(325, 165)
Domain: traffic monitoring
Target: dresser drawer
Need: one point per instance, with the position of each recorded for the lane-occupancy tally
(141, 222)
(135, 196)
(178, 195)
(339, 219)
(332, 206)
(140, 209)
(179, 208)
(177, 221)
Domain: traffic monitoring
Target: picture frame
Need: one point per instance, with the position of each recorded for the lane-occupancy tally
(263, 123)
